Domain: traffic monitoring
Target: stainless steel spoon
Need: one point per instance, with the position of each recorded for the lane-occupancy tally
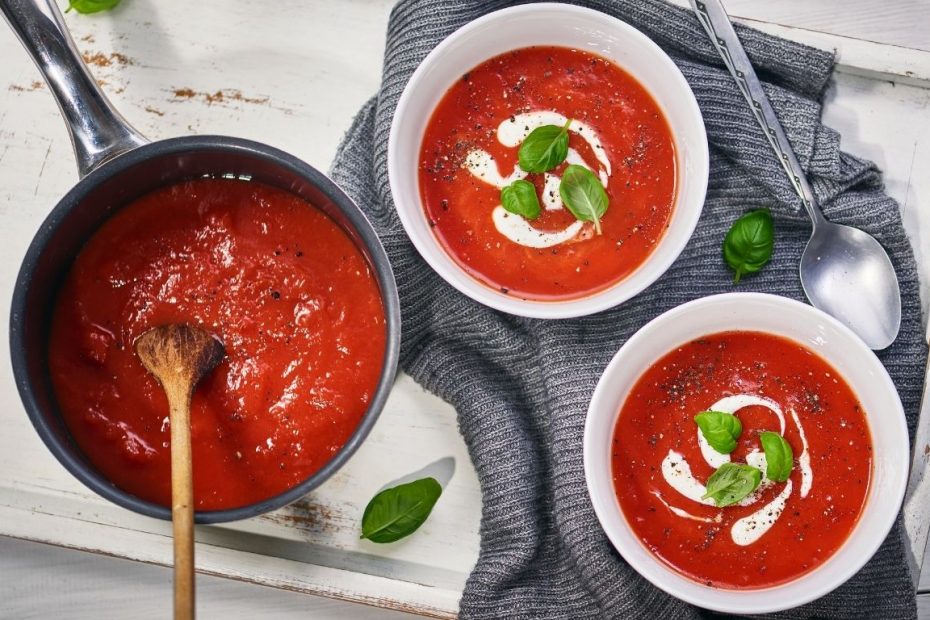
(844, 271)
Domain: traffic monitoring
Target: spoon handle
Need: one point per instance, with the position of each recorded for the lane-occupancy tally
(717, 23)
(182, 499)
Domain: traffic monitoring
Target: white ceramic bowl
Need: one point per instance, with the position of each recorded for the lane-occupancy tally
(817, 331)
(565, 26)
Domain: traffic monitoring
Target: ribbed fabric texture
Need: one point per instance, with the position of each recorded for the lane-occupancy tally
(521, 387)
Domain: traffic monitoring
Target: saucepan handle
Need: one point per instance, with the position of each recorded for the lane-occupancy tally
(98, 132)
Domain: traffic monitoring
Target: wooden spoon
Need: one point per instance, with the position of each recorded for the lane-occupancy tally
(180, 356)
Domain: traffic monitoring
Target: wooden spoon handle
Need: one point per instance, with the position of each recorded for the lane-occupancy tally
(179, 355)
(182, 505)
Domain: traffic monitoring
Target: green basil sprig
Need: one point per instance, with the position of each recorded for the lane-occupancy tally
(399, 511)
(583, 195)
(545, 148)
(748, 244)
(85, 7)
(779, 457)
(721, 430)
(520, 198)
(731, 483)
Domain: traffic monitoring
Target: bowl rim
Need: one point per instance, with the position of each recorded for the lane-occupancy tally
(66, 450)
(663, 579)
(659, 260)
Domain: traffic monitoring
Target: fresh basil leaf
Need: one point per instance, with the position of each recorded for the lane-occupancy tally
(545, 148)
(748, 244)
(398, 511)
(85, 7)
(721, 430)
(520, 198)
(779, 457)
(583, 195)
(731, 483)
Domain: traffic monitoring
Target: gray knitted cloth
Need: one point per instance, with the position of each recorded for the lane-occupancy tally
(521, 387)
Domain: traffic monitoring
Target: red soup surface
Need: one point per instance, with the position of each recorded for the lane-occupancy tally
(469, 152)
(279, 282)
(784, 529)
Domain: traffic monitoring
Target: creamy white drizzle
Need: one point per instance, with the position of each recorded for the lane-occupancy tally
(518, 230)
(483, 166)
(714, 459)
(551, 198)
(750, 529)
(684, 514)
(574, 157)
(677, 474)
(804, 461)
(511, 132)
(514, 131)
(732, 404)
(756, 459)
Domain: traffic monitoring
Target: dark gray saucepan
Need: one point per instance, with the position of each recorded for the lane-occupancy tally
(117, 165)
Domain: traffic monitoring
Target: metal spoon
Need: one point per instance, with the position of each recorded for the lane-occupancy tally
(844, 270)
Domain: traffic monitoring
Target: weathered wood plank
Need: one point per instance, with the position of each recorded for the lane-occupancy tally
(861, 56)
(890, 23)
(48, 582)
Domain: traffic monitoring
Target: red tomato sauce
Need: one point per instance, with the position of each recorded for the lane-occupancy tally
(658, 416)
(284, 288)
(583, 87)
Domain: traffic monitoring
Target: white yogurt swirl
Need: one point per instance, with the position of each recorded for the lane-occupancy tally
(518, 230)
(511, 133)
(677, 473)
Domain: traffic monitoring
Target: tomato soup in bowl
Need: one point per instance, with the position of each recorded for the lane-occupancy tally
(548, 160)
(746, 453)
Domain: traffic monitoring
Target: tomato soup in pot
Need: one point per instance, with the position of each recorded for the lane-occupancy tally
(279, 282)
(767, 401)
(469, 155)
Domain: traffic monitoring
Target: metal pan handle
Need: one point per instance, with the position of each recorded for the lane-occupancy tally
(98, 132)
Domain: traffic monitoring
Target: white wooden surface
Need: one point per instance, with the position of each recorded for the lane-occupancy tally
(892, 22)
(92, 587)
(292, 76)
(866, 35)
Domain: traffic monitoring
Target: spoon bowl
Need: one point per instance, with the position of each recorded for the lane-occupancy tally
(846, 273)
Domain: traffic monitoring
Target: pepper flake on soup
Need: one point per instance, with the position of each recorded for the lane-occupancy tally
(742, 460)
(548, 173)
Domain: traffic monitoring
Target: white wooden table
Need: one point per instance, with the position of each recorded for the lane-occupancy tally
(291, 74)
